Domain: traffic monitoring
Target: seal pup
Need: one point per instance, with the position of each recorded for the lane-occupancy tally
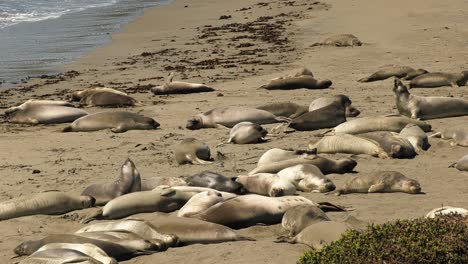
(381, 182)
(33, 114)
(420, 107)
(461, 165)
(215, 181)
(416, 136)
(192, 151)
(117, 122)
(202, 201)
(447, 210)
(297, 82)
(231, 116)
(396, 146)
(405, 72)
(267, 184)
(128, 181)
(349, 144)
(108, 99)
(340, 40)
(307, 178)
(47, 203)
(78, 95)
(59, 256)
(86, 248)
(246, 133)
(342, 99)
(298, 218)
(174, 87)
(438, 79)
(458, 134)
(286, 109)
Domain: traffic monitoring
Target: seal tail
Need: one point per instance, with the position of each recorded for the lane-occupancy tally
(452, 165)
(200, 161)
(95, 216)
(67, 129)
(366, 79)
(262, 87)
(329, 132)
(285, 239)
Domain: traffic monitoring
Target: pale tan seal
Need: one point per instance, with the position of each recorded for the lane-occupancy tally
(298, 218)
(340, 40)
(247, 133)
(174, 87)
(349, 144)
(286, 109)
(86, 248)
(128, 181)
(381, 182)
(297, 82)
(438, 79)
(395, 145)
(267, 184)
(404, 72)
(38, 102)
(47, 203)
(419, 107)
(78, 95)
(108, 99)
(416, 136)
(32, 113)
(232, 115)
(461, 165)
(60, 256)
(344, 100)
(192, 151)
(447, 210)
(307, 178)
(297, 72)
(457, 134)
(202, 201)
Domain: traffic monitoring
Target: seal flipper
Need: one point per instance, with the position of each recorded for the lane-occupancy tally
(95, 216)
(67, 129)
(376, 188)
(119, 129)
(329, 207)
(285, 239)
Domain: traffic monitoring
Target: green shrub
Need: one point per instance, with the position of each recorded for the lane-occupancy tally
(439, 240)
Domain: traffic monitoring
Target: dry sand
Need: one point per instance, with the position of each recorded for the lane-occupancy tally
(423, 33)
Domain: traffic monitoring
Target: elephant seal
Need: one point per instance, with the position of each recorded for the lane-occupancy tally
(416, 136)
(349, 144)
(192, 151)
(447, 210)
(461, 165)
(108, 99)
(267, 184)
(47, 203)
(78, 95)
(298, 82)
(395, 145)
(246, 133)
(59, 256)
(117, 122)
(277, 154)
(231, 116)
(381, 182)
(88, 249)
(172, 87)
(318, 235)
(298, 218)
(340, 40)
(342, 99)
(458, 134)
(325, 117)
(419, 107)
(286, 109)
(297, 73)
(405, 72)
(164, 200)
(202, 201)
(307, 178)
(250, 209)
(38, 102)
(151, 183)
(438, 79)
(128, 181)
(215, 181)
(43, 114)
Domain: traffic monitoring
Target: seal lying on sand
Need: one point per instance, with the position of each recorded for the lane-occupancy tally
(350, 144)
(438, 79)
(395, 145)
(172, 87)
(128, 181)
(202, 201)
(416, 136)
(461, 165)
(108, 99)
(447, 210)
(61, 255)
(247, 133)
(89, 249)
(326, 101)
(404, 72)
(192, 151)
(419, 107)
(340, 40)
(307, 178)
(78, 95)
(296, 73)
(381, 182)
(286, 109)
(458, 134)
(38, 102)
(149, 184)
(231, 116)
(298, 218)
(35, 113)
(298, 82)
(48, 203)
(215, 181)
(267, 184)
(325, 117)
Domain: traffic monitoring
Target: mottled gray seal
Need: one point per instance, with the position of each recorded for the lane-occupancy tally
(438, 79)
(461, 165)
(215, 181)
(60, 256)
(419, 107)
(458, 135)
(286, 109)
(78, 95)
(349, 144)
(173, 87)
(47, 203)
(192, 151)
(108, 99)
(202, 201)
(447, 210)
(267, 184)
(232, 115)
(128, 181)
(416, 136)
(297, 82)
(307, 178)
(43, 114)
(405, 72)
(298, 218)
(86, 248)
(392, 122)
(381, 182)
(246, 133)
(395, 145)
(326, 101)
(340, 40)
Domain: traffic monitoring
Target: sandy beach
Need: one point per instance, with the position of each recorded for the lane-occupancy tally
(236, 57)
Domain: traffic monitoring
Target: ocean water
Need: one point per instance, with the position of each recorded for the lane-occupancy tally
(36, 36)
